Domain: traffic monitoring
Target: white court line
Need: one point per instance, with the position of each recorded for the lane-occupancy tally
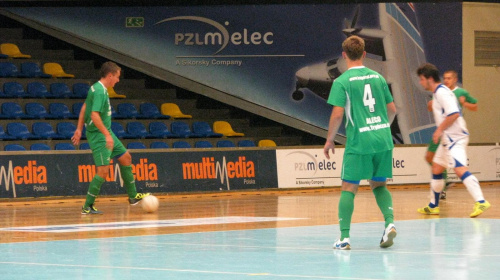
(328, 249)
(188, 270)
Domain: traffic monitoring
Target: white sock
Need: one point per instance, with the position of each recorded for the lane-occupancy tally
(437, 185)
(472, 185)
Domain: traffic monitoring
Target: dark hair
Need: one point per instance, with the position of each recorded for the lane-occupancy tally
(429, 70)
(354, 47)
(108, 67)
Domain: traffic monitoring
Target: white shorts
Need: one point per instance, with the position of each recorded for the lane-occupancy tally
(452, 154)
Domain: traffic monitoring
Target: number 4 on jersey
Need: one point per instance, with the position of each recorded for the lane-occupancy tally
(368, 99)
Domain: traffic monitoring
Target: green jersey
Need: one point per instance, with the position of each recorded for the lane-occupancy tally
(458, 91)
(364, 95)
(97, 101)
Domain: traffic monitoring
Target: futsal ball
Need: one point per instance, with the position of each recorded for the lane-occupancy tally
(150, 203)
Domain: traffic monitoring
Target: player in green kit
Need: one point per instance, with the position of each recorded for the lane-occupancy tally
(450, 79)
(362, 98)
(96, 114)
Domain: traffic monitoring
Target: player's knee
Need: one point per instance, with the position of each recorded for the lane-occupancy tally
(125, 159)
(103, 171)
(429, 157)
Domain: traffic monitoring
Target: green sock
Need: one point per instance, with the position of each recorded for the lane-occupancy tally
(445, 176)
(128, 180)
(346, 207)
(94, 189)
(384, 202)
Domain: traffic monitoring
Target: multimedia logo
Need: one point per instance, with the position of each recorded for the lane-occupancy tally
(143, 171)
(208, 168)
(30, 174)
(221, 38)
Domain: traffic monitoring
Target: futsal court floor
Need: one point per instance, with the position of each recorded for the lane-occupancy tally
(285, 234)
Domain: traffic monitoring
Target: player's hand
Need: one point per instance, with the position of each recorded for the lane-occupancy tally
(462, 100)
(329, 146)
(109, 142)
(76, 137)
(436, 136)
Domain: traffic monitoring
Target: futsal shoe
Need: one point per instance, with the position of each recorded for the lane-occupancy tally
(479, 208)
(90, 210)
(388, 237)
(342, 244)
(428, 210)
(138, 197)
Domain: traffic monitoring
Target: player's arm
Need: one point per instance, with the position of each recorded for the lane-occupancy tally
(333, 127)
(78, 132)
(95, 116)
(391, 111)
(467, 105)
(429, 106)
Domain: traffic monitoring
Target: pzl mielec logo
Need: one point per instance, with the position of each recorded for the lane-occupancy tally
(221, 38)
(29, 174)
(143, 171)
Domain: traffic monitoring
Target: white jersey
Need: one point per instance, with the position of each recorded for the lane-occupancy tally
(446, 103)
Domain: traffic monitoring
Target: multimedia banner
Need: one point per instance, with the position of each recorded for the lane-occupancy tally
(44, 174)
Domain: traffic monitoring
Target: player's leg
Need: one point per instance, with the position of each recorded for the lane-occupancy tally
(125, 163)
(458, 152)
(429, 156)
(101, 157)
(382, 165)
(351, 175)
(440, 161)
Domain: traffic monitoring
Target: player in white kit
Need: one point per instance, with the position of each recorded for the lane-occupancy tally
(452, 131)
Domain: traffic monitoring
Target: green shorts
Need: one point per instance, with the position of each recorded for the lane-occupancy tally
(357, 167)
(433, 146)
(102, 156)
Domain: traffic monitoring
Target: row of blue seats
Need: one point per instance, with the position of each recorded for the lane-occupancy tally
(28, 70)
(135, 145)
(39, 90)
(135, 130)
(35, 110)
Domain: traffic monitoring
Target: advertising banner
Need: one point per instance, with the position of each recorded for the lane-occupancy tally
(281, 58)
(310, 168)
(39, 175)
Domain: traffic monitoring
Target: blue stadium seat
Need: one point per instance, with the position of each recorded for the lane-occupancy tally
(77, 107)
(65, 147)
(45, 131)
(246, 143)
(150, 111)
(80, 90)
(66, 129)
(12, 110)
(160, 130)
(14, 147)
(138, 130)
(36, 110)
(5, 136)
(204, 129)
(60, 90)
(225, 144)
(61, 111)
(38, 90)
(40, 147)
(127, 110)
(181, 144)
(9, 70)
(14, 90)
(118, 130)
(182, 130)
(203, 144)
(84, 146)
(158, 145)
(135, 145)
(32, 70)
(2, 94)
(20, 131)
(116, 115)
(3, 55)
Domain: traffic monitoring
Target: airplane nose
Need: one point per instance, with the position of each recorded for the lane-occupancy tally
(303, 76)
